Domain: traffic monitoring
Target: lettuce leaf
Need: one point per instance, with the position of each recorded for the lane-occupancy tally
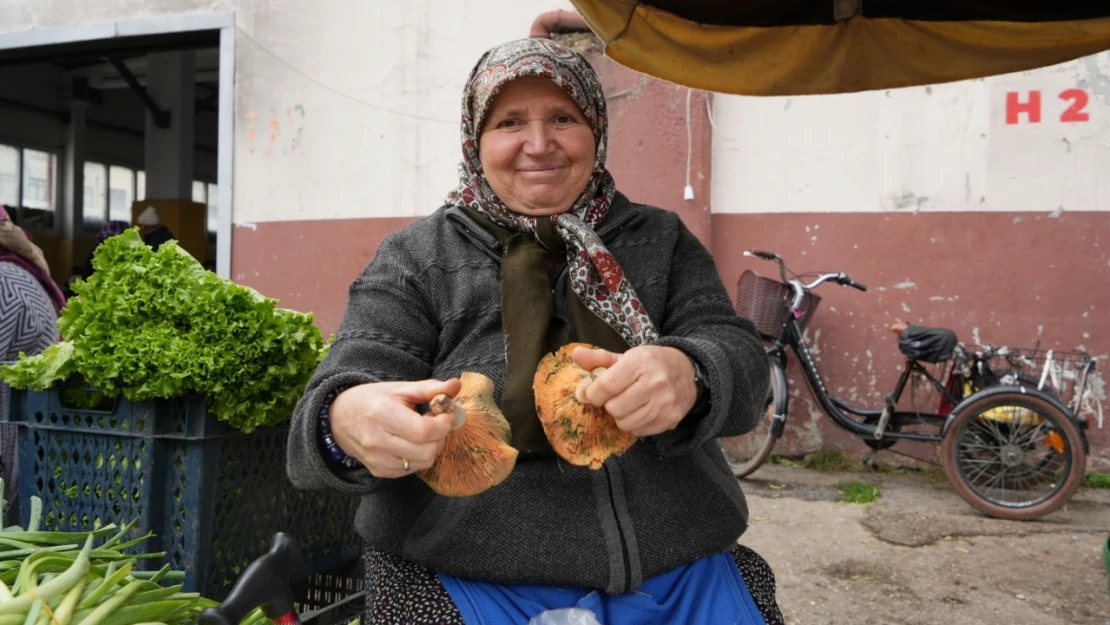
(157, 324)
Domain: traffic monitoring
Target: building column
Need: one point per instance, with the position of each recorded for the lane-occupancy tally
(71, 216)
(169, 151)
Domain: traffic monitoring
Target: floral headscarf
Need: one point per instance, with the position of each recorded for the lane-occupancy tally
(594, 273)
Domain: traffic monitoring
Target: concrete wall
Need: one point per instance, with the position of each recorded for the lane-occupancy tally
(957, 208)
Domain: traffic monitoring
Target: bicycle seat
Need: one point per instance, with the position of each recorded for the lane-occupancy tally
(922, 343)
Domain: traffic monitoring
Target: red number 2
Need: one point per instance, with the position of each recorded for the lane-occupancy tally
(1075, 112)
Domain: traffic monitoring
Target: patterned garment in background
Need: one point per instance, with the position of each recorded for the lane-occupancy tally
(399, 592)
(27, 324)
(595, 275)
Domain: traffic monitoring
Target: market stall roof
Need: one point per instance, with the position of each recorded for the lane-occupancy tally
(799, 47)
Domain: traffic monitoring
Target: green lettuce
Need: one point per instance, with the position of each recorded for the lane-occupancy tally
(157, 324)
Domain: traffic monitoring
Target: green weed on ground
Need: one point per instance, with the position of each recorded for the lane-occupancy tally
(829, 461)
(857, 492)
(1097, 479)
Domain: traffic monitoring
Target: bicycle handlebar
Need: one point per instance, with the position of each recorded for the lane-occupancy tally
(264, 584)
(763, 255)
(798, 286)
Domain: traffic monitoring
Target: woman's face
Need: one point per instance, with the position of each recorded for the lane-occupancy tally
(536, 148)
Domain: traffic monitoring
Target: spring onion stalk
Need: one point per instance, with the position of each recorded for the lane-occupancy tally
(109, 606)
(57, 586)
(17, 554)
(33, 614)
(16, 544)
(111, 542)
(36, 514)
(65, 611)
(109, 583)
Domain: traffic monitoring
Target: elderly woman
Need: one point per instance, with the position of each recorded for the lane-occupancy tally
(536, 249)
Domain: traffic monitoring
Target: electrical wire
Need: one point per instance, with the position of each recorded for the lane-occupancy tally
(342, 94)
(688, 191)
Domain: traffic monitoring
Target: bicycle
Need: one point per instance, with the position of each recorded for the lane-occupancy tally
(1011, 442)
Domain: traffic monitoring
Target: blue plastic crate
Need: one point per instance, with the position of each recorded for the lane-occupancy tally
(213, 496)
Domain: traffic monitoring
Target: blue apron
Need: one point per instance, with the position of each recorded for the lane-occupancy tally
(709, 590)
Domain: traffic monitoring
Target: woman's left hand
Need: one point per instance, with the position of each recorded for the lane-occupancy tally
(647, 390)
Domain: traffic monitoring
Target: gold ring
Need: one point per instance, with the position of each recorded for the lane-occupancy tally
(405, 463)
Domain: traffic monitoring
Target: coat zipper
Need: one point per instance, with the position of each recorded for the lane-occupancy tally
(620, 529)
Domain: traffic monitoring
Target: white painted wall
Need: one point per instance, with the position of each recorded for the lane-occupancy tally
(344, 108)
(940, 148)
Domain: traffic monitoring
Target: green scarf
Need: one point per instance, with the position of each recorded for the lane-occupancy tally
(530, 325)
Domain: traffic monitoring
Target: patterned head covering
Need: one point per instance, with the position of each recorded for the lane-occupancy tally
(16, 247)
(14, 239)
(594, 273)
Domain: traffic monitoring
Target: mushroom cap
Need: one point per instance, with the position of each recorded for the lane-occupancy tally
(582, 434)
(476, 455)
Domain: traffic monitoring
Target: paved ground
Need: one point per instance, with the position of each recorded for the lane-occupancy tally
(921, 556)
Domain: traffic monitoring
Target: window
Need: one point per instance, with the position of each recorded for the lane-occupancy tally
(40, 184)
(140, 186)
(9, 176)
(95, 203)
(121, 192)
(29, 186)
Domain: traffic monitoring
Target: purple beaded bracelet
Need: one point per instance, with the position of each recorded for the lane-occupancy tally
(335, 453)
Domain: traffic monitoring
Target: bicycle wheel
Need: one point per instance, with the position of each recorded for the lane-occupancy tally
(1014, 454)
(747, 452)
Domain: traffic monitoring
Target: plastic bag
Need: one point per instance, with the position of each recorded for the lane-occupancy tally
(565, 616)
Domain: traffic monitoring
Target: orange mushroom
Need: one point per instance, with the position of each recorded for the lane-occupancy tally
(582, 434)
(476, 455)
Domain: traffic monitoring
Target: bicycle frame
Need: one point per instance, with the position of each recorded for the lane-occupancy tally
(837, 410)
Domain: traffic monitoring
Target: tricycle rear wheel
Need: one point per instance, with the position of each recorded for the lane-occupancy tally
(1014, 455)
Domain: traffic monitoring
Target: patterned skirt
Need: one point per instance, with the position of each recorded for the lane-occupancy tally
(399, 592)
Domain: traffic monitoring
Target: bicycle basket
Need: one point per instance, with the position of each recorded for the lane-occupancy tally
(1066, 374)
(765, 301)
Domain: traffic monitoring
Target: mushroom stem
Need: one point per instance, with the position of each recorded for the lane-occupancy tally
(441, 404)
(580, 391)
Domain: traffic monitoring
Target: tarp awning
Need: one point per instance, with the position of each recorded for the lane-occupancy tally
(801, 47)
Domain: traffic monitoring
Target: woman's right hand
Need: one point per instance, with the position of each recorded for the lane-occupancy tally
(376, 424)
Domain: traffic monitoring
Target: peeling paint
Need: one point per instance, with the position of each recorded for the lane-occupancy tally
(908, 199)
(936, 298)
(250, 225)
(1018, 220)
(975, 336)
(1097, 82)
(1056, 213)
(905, 285)
(905, 308)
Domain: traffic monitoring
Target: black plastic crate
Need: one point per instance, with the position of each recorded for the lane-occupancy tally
(335, 597)
(213, 496)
